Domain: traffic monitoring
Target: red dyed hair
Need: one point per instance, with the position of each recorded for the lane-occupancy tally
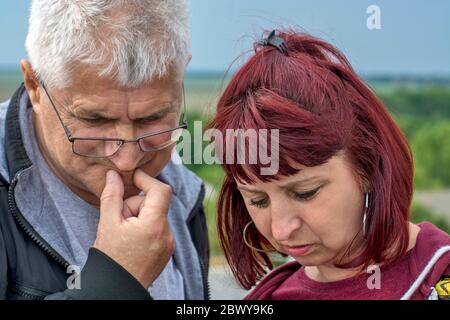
(320, 106)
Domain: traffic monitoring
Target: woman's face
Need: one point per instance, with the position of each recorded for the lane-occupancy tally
(313, 215)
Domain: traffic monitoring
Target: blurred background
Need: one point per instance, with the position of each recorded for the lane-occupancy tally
(406, 61)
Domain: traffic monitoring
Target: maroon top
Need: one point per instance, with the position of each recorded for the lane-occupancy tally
(289, 282)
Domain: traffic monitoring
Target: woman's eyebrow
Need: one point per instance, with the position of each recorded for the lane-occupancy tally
(243, 188)
(287, 185)
(298, 182)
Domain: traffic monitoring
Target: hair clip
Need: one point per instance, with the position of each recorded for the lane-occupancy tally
(274, 41)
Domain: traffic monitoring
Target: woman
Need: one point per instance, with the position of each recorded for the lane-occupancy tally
(339, 204)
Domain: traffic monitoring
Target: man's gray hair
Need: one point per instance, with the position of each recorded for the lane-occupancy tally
(130, 41)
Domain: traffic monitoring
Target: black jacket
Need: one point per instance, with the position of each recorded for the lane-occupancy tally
(31, 269)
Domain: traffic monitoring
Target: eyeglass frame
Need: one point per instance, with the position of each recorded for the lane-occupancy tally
(72, 139)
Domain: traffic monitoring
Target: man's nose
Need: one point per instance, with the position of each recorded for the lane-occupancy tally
(285, 221)
(129, 154)
(127, 157)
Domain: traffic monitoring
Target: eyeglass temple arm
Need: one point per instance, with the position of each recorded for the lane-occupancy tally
(66, 130)
(184, 105)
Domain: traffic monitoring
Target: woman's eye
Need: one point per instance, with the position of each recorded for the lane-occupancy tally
(306, 195)
(259, 203)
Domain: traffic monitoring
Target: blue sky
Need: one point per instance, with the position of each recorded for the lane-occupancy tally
(414, 38)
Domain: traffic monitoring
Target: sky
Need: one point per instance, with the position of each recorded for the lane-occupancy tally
(413, 39)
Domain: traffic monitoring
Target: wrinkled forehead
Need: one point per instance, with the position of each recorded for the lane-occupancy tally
(90, 91)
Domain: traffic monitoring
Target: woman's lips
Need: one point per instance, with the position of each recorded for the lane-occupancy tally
(298, 251)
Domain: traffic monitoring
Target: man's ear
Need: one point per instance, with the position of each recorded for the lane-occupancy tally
(31, 84)
(189, 59)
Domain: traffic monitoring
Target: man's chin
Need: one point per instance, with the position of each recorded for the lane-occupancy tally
(130, 191)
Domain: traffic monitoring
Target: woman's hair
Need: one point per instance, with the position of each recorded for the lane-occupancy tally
(320, 106)
(130, 41)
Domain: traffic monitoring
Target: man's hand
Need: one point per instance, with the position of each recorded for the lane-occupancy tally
(135, 232)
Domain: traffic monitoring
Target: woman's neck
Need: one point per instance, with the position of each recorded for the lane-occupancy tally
(330, 273)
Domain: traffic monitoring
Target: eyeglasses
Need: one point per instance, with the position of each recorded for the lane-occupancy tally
(107, 147)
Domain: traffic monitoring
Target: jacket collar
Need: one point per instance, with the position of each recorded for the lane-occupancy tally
(16, 155)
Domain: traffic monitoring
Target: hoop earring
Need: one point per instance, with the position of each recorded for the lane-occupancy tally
(248, 244)
(366, 205)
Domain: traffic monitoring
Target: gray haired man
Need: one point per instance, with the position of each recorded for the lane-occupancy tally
(91, 204)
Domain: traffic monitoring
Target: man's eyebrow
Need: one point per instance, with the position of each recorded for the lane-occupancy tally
(80, 111)
(157, 114)
(92, 113)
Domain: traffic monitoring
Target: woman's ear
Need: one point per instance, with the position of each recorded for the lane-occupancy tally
(364, 185)
(32, 85)
(366, 188)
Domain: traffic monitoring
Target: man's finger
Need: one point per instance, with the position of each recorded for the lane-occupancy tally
(132, 206)
(111, 200)
(157, 194)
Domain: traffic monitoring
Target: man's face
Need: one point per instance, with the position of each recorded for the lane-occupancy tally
(94, 107)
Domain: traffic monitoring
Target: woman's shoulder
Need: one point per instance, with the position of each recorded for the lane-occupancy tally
(272, 281)
(430, 229)
(430, 239)
(430, 259)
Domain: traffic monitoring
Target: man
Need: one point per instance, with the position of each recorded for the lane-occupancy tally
(91, 205)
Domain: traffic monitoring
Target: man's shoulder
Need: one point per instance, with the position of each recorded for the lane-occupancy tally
(4, 171)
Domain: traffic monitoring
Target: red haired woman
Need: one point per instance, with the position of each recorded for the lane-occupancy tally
(339, 204)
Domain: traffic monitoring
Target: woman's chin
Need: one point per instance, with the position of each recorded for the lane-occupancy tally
(312, 259)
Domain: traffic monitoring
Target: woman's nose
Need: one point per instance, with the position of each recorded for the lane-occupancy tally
(285, 221)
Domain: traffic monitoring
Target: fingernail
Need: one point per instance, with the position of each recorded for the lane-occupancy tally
(110, 177)
(138, 171)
